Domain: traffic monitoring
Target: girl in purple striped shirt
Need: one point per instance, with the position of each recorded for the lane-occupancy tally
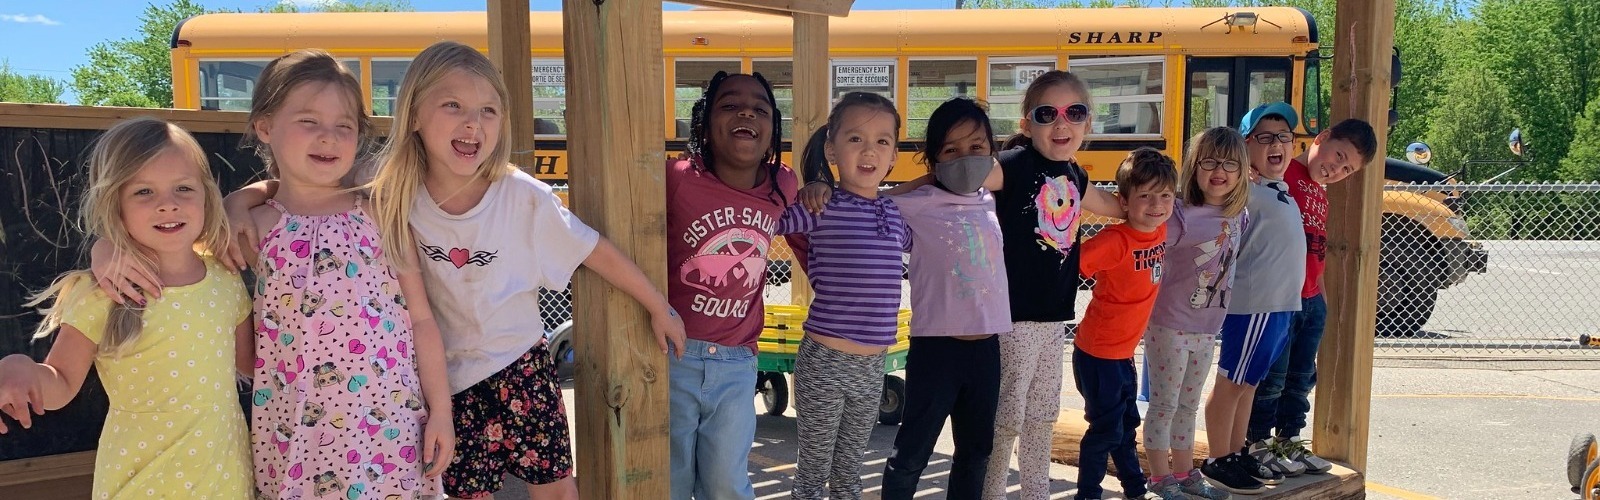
(853, 263)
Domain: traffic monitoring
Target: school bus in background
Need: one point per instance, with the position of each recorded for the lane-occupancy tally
(1157, 76)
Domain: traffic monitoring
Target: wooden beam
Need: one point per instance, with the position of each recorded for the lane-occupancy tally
(614, 73)
(834, 8)
(511, 49)
(61, 116)
(1364, 37)
(810, 109)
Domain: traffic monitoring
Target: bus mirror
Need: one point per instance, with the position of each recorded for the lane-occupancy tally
(1419, 153)
(1515, 142)
(1394, 68)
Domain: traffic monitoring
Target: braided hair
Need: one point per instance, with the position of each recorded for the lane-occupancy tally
(700, 148)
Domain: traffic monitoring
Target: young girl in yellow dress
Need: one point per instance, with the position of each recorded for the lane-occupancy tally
(175, 428)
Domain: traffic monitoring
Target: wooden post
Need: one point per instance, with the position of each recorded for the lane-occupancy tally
(511, 49)
(1363, 39)
(614, 81)
(811, 73)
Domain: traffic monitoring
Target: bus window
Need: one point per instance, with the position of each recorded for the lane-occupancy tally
(1208, 100)
(859, 75)
(228, 85)
(691, 80)
(1313, 109)
(931, 83)
(1127, 93)
(549, 97)
(1008, 81)
(386, 75)
(1268, 85)
(780, 73)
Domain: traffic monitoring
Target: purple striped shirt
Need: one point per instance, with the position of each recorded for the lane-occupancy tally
(854, 266)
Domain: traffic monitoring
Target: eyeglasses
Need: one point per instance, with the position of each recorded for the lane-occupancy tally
(1210, 164)
(1265, 138)
(1046, 114)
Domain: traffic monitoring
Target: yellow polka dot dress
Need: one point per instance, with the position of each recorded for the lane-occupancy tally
(175, 429)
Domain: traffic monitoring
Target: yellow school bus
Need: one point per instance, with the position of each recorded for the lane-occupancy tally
(1157, 75)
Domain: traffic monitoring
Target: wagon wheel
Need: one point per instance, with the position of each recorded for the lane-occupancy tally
(893, 405)
(1582, 451)
(1590, 486)
(774, 390)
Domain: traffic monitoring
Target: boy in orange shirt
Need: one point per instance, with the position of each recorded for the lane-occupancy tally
(1125, 261)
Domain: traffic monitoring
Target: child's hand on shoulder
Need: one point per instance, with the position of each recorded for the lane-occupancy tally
(669, 327)
(21, 391)
(438, 443)
(814, 196)
(242, 243)
(122, 278)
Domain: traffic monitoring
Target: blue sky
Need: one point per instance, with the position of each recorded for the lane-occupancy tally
(49, 38)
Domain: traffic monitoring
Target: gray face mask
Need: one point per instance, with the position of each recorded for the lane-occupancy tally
(964, 175)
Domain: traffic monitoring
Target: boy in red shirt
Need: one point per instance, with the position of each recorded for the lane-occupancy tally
(1125, 261)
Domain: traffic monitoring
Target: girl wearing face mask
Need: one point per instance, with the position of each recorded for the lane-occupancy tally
(959, 293)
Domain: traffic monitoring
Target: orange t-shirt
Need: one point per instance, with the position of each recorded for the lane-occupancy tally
(1126, 267)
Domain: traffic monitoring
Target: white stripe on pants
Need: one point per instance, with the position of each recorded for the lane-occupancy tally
(1030, 401)
(1179, 363)
(836, 400)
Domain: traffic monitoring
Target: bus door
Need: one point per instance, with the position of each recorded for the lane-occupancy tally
(1222, 89)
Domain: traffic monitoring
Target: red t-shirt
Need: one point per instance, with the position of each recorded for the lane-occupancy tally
(1126, 267)
(1313, 201)
(717, 242)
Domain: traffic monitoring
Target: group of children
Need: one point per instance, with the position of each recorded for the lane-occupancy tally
(391, 354)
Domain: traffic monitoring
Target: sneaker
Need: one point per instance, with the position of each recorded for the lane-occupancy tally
(1249, 464)
(1166, 489)
(1271, 453)
(1229, 474)
(1197, 487)
(1296, 449)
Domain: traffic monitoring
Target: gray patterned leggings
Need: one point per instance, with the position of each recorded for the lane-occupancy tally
(836, 400)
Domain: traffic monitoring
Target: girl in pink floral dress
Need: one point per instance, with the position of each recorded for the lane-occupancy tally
(350, 396)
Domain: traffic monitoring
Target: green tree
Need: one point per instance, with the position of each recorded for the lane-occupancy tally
(137, 71)
(1471, 123)
(1583, 158)
(17, 87)
(342, 6)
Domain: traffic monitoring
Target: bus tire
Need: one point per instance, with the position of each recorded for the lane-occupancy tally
(1409, 277)
(893, 406)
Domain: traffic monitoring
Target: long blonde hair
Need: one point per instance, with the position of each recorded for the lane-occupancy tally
(117, 156)
(403, 162)
(1216, 142)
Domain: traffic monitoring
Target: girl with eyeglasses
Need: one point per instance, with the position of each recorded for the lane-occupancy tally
(1040, 205)
(1197, 277)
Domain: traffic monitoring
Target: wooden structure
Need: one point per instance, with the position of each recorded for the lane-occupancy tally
(1363, 39)
(615, 75)
(613, 48)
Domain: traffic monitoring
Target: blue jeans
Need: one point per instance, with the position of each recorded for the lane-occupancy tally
(1284, 398)
(1109, 388)
(713, 421)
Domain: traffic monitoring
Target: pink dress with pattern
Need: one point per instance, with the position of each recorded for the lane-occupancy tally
(337, 406)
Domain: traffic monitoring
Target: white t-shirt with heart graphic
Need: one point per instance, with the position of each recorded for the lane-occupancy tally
(483, 270)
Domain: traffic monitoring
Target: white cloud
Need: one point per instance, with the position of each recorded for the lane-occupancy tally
(27, 19)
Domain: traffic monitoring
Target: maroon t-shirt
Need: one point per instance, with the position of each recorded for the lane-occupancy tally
(717, 242)
(1313, 201)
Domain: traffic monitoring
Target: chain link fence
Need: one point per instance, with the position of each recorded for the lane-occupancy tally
(1489, 269)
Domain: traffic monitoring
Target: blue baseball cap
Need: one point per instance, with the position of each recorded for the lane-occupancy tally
(1279, 108)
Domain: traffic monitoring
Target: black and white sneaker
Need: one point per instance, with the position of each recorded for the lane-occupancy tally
(1249, 465)
(1229, 473)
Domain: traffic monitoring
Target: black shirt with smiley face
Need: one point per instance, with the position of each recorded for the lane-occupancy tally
(1040, 208)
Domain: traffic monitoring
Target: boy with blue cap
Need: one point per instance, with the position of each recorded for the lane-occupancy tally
(1282, 399)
